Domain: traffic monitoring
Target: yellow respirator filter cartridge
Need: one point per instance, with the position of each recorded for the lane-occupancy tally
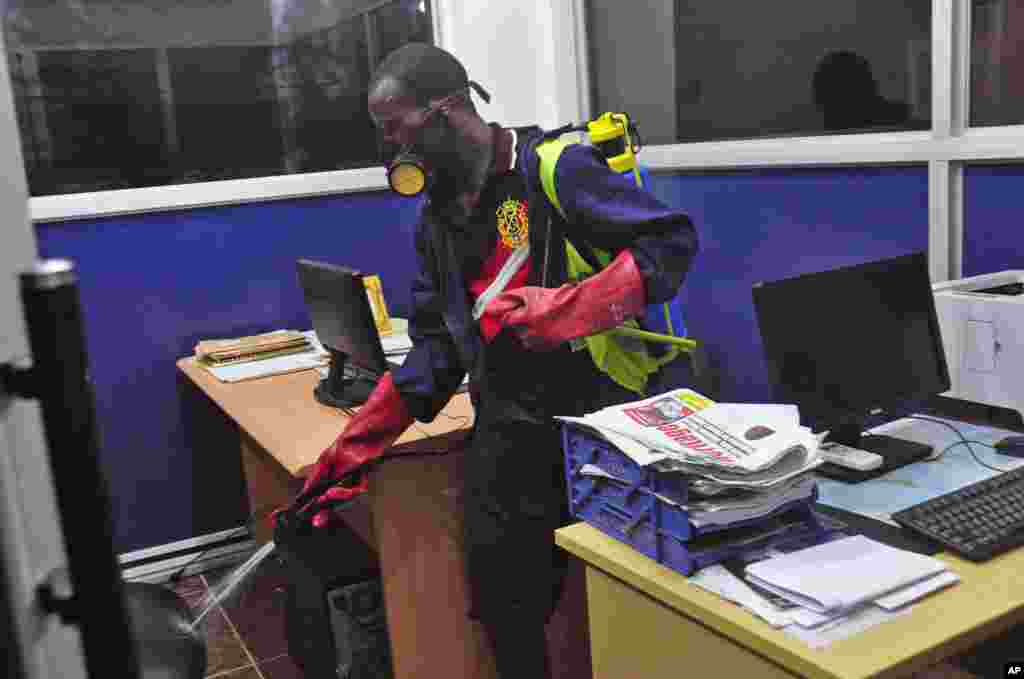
(407, 176)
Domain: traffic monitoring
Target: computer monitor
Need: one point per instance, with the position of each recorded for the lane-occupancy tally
(343, 320)
(855, 342)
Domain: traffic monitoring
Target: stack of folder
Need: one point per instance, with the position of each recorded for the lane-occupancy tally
(222, 352)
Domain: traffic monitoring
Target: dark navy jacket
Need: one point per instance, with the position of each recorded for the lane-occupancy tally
(604, 210)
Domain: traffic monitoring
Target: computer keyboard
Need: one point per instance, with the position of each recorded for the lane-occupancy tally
(977, 521)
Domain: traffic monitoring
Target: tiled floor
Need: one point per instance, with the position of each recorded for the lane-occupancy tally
(245, 635)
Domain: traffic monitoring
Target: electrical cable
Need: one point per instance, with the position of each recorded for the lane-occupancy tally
(963, 441)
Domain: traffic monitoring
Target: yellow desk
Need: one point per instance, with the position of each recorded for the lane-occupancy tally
(648, 621)
(411, 517)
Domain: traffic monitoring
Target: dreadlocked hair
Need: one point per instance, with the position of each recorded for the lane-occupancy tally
(427, 72)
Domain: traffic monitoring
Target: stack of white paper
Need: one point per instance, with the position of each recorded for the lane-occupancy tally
(842, 574)
(842, 587)
(831, 591)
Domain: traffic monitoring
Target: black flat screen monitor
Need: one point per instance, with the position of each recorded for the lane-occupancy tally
(343, 320)
(855, 342)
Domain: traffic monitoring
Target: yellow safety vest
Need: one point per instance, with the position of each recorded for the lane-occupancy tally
(624, 359)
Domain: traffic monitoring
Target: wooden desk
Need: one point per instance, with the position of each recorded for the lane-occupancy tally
(646, 620)
(411, 517)
(284, 428)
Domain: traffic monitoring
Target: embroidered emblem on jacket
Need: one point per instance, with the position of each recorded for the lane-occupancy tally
(513, 224)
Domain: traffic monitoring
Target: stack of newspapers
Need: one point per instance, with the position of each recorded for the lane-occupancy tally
(741, 461)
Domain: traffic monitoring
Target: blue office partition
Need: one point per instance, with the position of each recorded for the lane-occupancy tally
(993, 214)
(152, 285)
(761, 225)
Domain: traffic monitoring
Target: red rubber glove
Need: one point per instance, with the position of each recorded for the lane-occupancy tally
(377, 424)
(544, 318)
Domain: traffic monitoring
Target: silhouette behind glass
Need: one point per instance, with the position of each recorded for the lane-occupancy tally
(846, 93)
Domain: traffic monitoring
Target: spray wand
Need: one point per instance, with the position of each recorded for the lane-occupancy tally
(288, 523)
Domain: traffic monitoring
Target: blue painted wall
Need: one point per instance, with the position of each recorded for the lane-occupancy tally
(764, 225)
(993, 219)
(153, 285)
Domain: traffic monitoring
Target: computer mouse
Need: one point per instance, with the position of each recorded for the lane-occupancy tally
(1011, 445)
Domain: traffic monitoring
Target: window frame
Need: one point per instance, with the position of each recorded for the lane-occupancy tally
(94, 204)
(946, 149)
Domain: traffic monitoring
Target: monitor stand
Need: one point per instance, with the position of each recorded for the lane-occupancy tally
(340, 389)
(895, 452)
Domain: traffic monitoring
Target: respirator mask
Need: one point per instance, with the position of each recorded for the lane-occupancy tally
(409, 173)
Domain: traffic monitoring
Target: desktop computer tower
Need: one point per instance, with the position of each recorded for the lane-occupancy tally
(335, 623)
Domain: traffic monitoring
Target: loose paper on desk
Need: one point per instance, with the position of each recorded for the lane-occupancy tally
(718, 580)
(842, 574)
(687, 427)
(715, 578)
(814, 629)
(842, 627)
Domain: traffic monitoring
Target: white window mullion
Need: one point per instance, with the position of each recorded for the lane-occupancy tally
(582, 58)
(570, 61)
(440, 16)
(943, 114)
(945, 220)
(951, 40)
(955, 208)
(960, 89)
(947, 111)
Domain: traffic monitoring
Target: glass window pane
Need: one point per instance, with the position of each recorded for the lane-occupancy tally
(997, 28)
(119, 94)
(704, 70)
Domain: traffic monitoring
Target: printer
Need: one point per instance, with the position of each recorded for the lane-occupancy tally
(981, 319)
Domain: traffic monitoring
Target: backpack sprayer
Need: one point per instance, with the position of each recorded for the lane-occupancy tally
(615, 136)
(618, 140)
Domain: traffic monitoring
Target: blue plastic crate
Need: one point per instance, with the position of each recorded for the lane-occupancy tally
(629, 510)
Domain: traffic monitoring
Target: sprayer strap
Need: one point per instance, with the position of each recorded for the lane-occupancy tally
(549, 151)
(497, 286)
